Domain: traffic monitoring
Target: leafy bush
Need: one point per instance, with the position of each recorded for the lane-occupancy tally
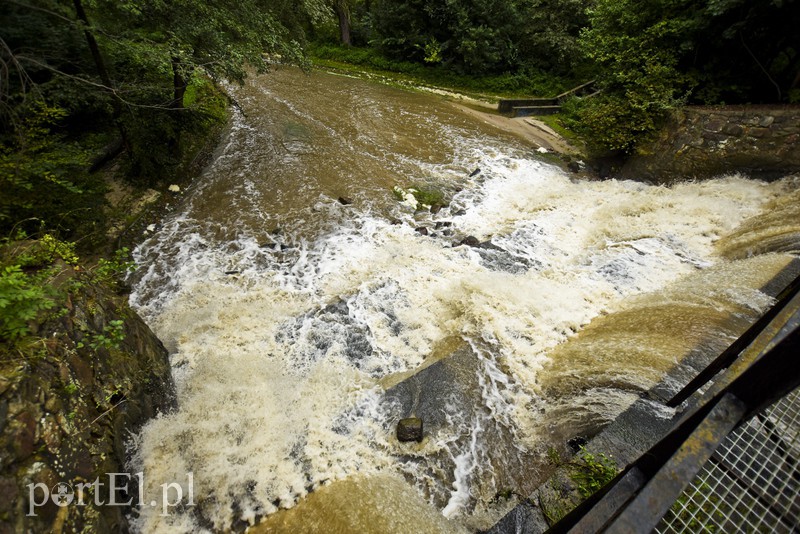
(609, 122)
(22, 298)
(112, 336)
(592, 472)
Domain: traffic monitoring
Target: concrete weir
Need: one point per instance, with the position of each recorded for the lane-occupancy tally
(632, 434)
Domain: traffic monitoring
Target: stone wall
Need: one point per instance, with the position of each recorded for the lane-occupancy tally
(702, 142)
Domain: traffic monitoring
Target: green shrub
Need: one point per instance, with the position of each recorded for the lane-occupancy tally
(592, 472)
(22, 298)
(111, 337)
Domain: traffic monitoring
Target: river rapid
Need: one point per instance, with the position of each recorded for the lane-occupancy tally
(293, 319)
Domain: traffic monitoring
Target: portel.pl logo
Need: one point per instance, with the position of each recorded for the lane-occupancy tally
(63, 494)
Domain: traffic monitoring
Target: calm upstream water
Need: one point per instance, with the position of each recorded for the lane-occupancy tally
(292, 319)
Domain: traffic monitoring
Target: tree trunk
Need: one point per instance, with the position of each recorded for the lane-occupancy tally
(178, 84)
(93, 47)
(102, 71)
(343, 13)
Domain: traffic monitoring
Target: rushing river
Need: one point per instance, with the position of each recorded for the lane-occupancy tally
(292, 319)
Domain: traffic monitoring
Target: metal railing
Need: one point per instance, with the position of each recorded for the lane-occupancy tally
(751, 483)
(730, 464)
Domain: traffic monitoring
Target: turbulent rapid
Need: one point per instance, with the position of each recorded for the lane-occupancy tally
(294, 321)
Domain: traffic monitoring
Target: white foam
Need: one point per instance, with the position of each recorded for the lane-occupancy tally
(278, 391)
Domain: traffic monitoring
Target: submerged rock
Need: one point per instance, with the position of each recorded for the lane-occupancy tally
(470, 241)
(409, 429)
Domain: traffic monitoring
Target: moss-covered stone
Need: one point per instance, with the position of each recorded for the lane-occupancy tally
(67, 409)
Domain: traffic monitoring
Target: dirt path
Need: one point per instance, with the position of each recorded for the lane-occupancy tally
(535, 131)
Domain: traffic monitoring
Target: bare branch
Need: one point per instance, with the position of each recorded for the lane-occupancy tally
(114, 92)
(766, 73)
(25, 81)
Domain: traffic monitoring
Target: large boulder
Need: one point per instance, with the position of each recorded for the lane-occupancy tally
(70, 399)
(458, 401)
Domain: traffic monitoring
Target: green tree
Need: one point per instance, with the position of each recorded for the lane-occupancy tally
(475, 36)
(125, 64)
(654, 55)
(483, 36)
(343, 9)
(636, 48)
(548, 37)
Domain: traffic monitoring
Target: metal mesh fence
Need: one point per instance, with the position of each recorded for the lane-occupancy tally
(752, 483)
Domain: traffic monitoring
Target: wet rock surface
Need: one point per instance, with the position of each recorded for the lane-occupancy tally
(449, 396)
(410, 429)
(67, 412)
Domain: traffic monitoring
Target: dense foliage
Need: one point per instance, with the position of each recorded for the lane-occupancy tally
(478, 37)
(84, 77)
(652, 56)
(82, 81)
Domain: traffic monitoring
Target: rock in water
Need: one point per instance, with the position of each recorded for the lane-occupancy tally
(576, 443)
(409, 429)
(345, 201)
(470, 241)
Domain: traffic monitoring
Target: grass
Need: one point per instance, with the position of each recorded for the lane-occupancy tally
(405, 73)
(555, 122)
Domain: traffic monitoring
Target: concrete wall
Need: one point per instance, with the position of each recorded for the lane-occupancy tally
(701, 142)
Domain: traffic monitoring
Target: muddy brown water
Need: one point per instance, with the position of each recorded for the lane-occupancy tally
(293, 320)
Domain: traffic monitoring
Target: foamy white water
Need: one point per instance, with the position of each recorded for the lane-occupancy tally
(279, 365)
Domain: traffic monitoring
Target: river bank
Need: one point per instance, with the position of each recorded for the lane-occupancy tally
(695, 142)
(71, 400)
(84, 373)
(534, 131)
